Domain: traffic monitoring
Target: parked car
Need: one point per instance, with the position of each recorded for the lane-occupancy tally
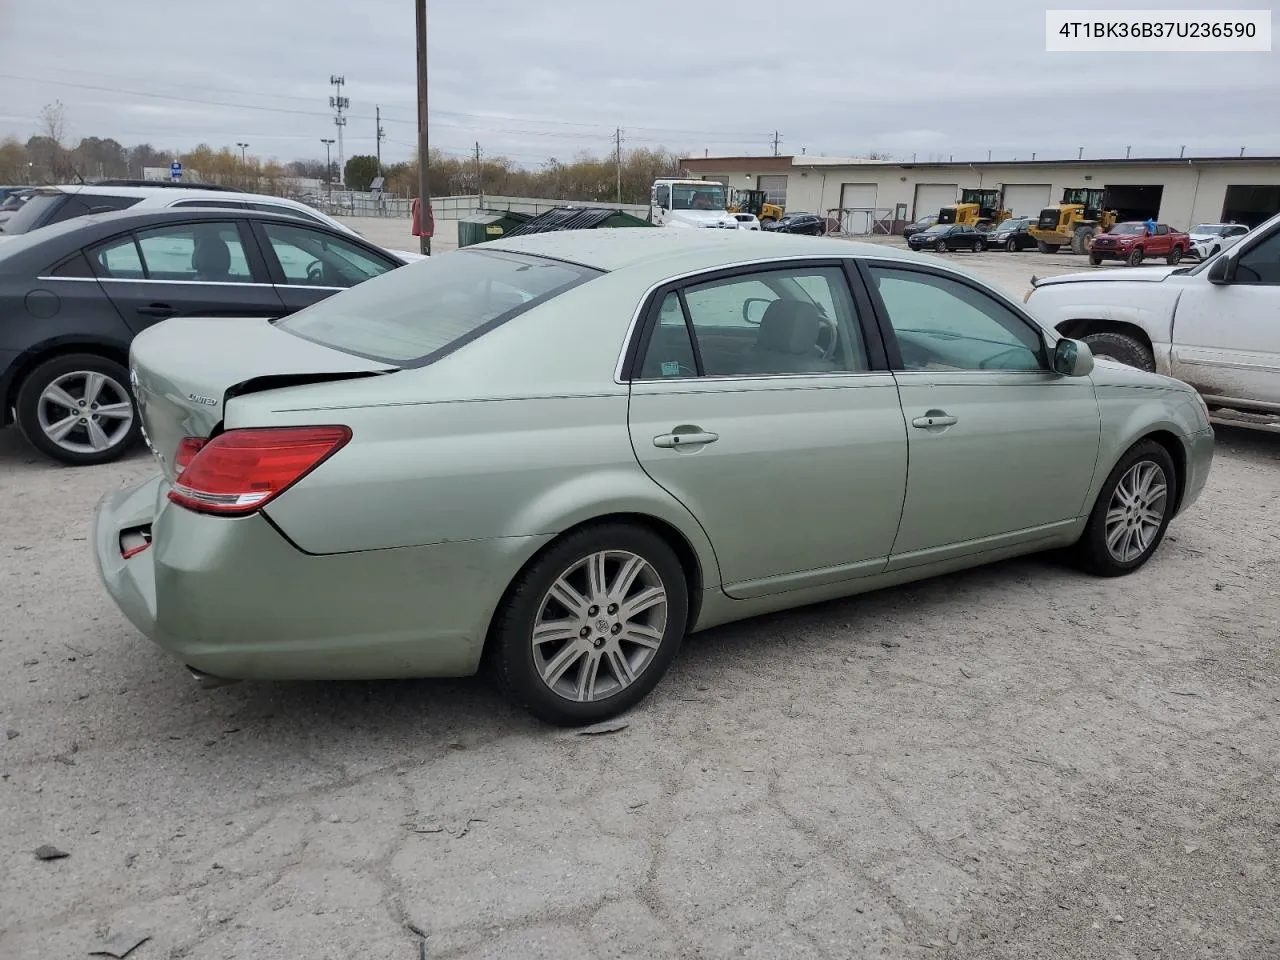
(49, 205)
(924, 223)
(948, 236)
(11, 204)
(563, 455)
(7, 191)
(1133, 241)
(73, 296)
(747, 221)
(1011, 235)
(805, 223)
(1213, 325)
(1209, 238)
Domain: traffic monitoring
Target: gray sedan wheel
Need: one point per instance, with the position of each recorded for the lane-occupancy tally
(77, 409)
(592, 625)
(1132, 511)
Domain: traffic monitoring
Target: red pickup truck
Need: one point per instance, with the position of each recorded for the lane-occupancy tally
(1133, 242)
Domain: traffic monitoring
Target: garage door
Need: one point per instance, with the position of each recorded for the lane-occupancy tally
(1026, 199)
(857, 207)
(932, 197)
(775, 189)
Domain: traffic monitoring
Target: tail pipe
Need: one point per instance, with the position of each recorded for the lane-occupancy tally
(207, 681)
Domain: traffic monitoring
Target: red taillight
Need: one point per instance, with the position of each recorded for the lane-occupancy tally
(187, 451)
(239, 471)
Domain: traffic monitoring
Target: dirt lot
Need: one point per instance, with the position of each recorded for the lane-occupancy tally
(1017, 762)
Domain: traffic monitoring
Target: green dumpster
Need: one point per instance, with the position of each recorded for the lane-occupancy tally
(487, 225)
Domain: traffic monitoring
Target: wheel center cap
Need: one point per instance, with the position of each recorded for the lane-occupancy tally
(602, 625)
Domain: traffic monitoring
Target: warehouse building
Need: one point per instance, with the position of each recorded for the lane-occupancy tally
(881, 195)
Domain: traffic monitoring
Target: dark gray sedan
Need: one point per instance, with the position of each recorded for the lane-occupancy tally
(73, 295)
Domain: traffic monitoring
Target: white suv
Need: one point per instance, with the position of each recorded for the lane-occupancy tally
(54, 204)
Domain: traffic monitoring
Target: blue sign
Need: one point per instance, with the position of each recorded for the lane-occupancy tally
(175, 170)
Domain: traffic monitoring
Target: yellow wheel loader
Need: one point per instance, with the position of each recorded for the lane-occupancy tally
(982, 209)
(753, 201)
(1074, 222)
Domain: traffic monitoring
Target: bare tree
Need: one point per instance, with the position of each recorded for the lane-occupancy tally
(53, 122)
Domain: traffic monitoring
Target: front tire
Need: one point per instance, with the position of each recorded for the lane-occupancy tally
(1011, 246)
(588, 630)
(941, 246)
(1132, 512)
(1082, 239)
(1121, 348)
(77, 409)
(1095, 259)
(979, 245)
(1135, 258)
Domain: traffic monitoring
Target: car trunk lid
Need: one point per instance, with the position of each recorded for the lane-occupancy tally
(183, 372)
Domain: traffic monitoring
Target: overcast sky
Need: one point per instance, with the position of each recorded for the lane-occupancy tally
(538, 80)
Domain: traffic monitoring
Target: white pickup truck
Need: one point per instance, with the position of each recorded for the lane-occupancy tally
(1215, 326)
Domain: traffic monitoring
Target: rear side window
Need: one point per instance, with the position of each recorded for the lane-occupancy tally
(81, 205)
(74, 267)
(416, 313)
(191, 252)
(218, 204)
(35, 212)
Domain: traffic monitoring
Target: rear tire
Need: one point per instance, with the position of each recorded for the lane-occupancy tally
(1082, 239)
(1121, 348)
(1175, 257)
(979, 245)
(1132, 512)
(53, 426)
(1135, 258)
(592, 641)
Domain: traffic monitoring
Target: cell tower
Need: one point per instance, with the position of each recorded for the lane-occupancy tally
(338, 103)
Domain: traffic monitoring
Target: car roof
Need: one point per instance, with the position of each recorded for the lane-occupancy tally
(132, 219)
(682, 249)
(129, 190)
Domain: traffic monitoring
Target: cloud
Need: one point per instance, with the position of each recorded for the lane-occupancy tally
(534, 81)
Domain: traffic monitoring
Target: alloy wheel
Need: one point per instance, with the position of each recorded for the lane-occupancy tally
(1136, 511)
(599, 626)
(85, 411)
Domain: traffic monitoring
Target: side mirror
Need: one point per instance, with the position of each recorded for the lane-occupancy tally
(1223, 271)
(1072, 358)
(753, 310)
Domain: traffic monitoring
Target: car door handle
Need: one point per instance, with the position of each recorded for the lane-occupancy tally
(692, 438)
(161, 310)
(935, 418)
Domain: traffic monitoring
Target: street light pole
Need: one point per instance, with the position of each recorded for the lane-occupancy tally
(424, 147)
(243, 147)
(328, 167)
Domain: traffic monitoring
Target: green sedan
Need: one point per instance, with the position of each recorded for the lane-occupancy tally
(557, 455)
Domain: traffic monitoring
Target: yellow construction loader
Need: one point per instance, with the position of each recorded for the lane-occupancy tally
(753, 201)
(1075, 221)
(982, 209)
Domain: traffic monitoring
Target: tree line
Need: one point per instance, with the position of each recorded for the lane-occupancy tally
(47, 157)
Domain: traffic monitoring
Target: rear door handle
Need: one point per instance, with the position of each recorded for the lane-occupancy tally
(691, 439)
(161, 310)
(938, 419)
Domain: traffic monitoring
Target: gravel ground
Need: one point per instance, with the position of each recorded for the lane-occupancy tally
(1015, 762)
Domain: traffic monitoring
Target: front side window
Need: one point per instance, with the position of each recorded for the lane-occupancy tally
(771, 323)
(309, 258)
(1261, 263)
(943, 324)
(412, 315)
(664, 196)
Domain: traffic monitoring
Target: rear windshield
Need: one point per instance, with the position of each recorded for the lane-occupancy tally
(414, 314)
(1128, 229)
(32, 213)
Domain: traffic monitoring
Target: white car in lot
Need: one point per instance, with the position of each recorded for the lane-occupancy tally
(1208, 239)
(747, 221)
(1215, 326)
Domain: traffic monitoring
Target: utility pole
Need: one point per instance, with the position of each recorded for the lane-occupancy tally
(777, 139)
(328, 167)
(424, 146)
(617, 155)
(381, 135)
(479, 178)
(339, 103)
(243, 147)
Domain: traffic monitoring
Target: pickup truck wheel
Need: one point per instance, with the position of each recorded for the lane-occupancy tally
(77, 409)
(1121, 348)
(1135, 258)
(1132, 512)
(1095, 259)
(1174, 257)
(1048, 247)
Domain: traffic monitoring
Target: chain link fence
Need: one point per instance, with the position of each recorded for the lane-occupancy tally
(348, 203)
